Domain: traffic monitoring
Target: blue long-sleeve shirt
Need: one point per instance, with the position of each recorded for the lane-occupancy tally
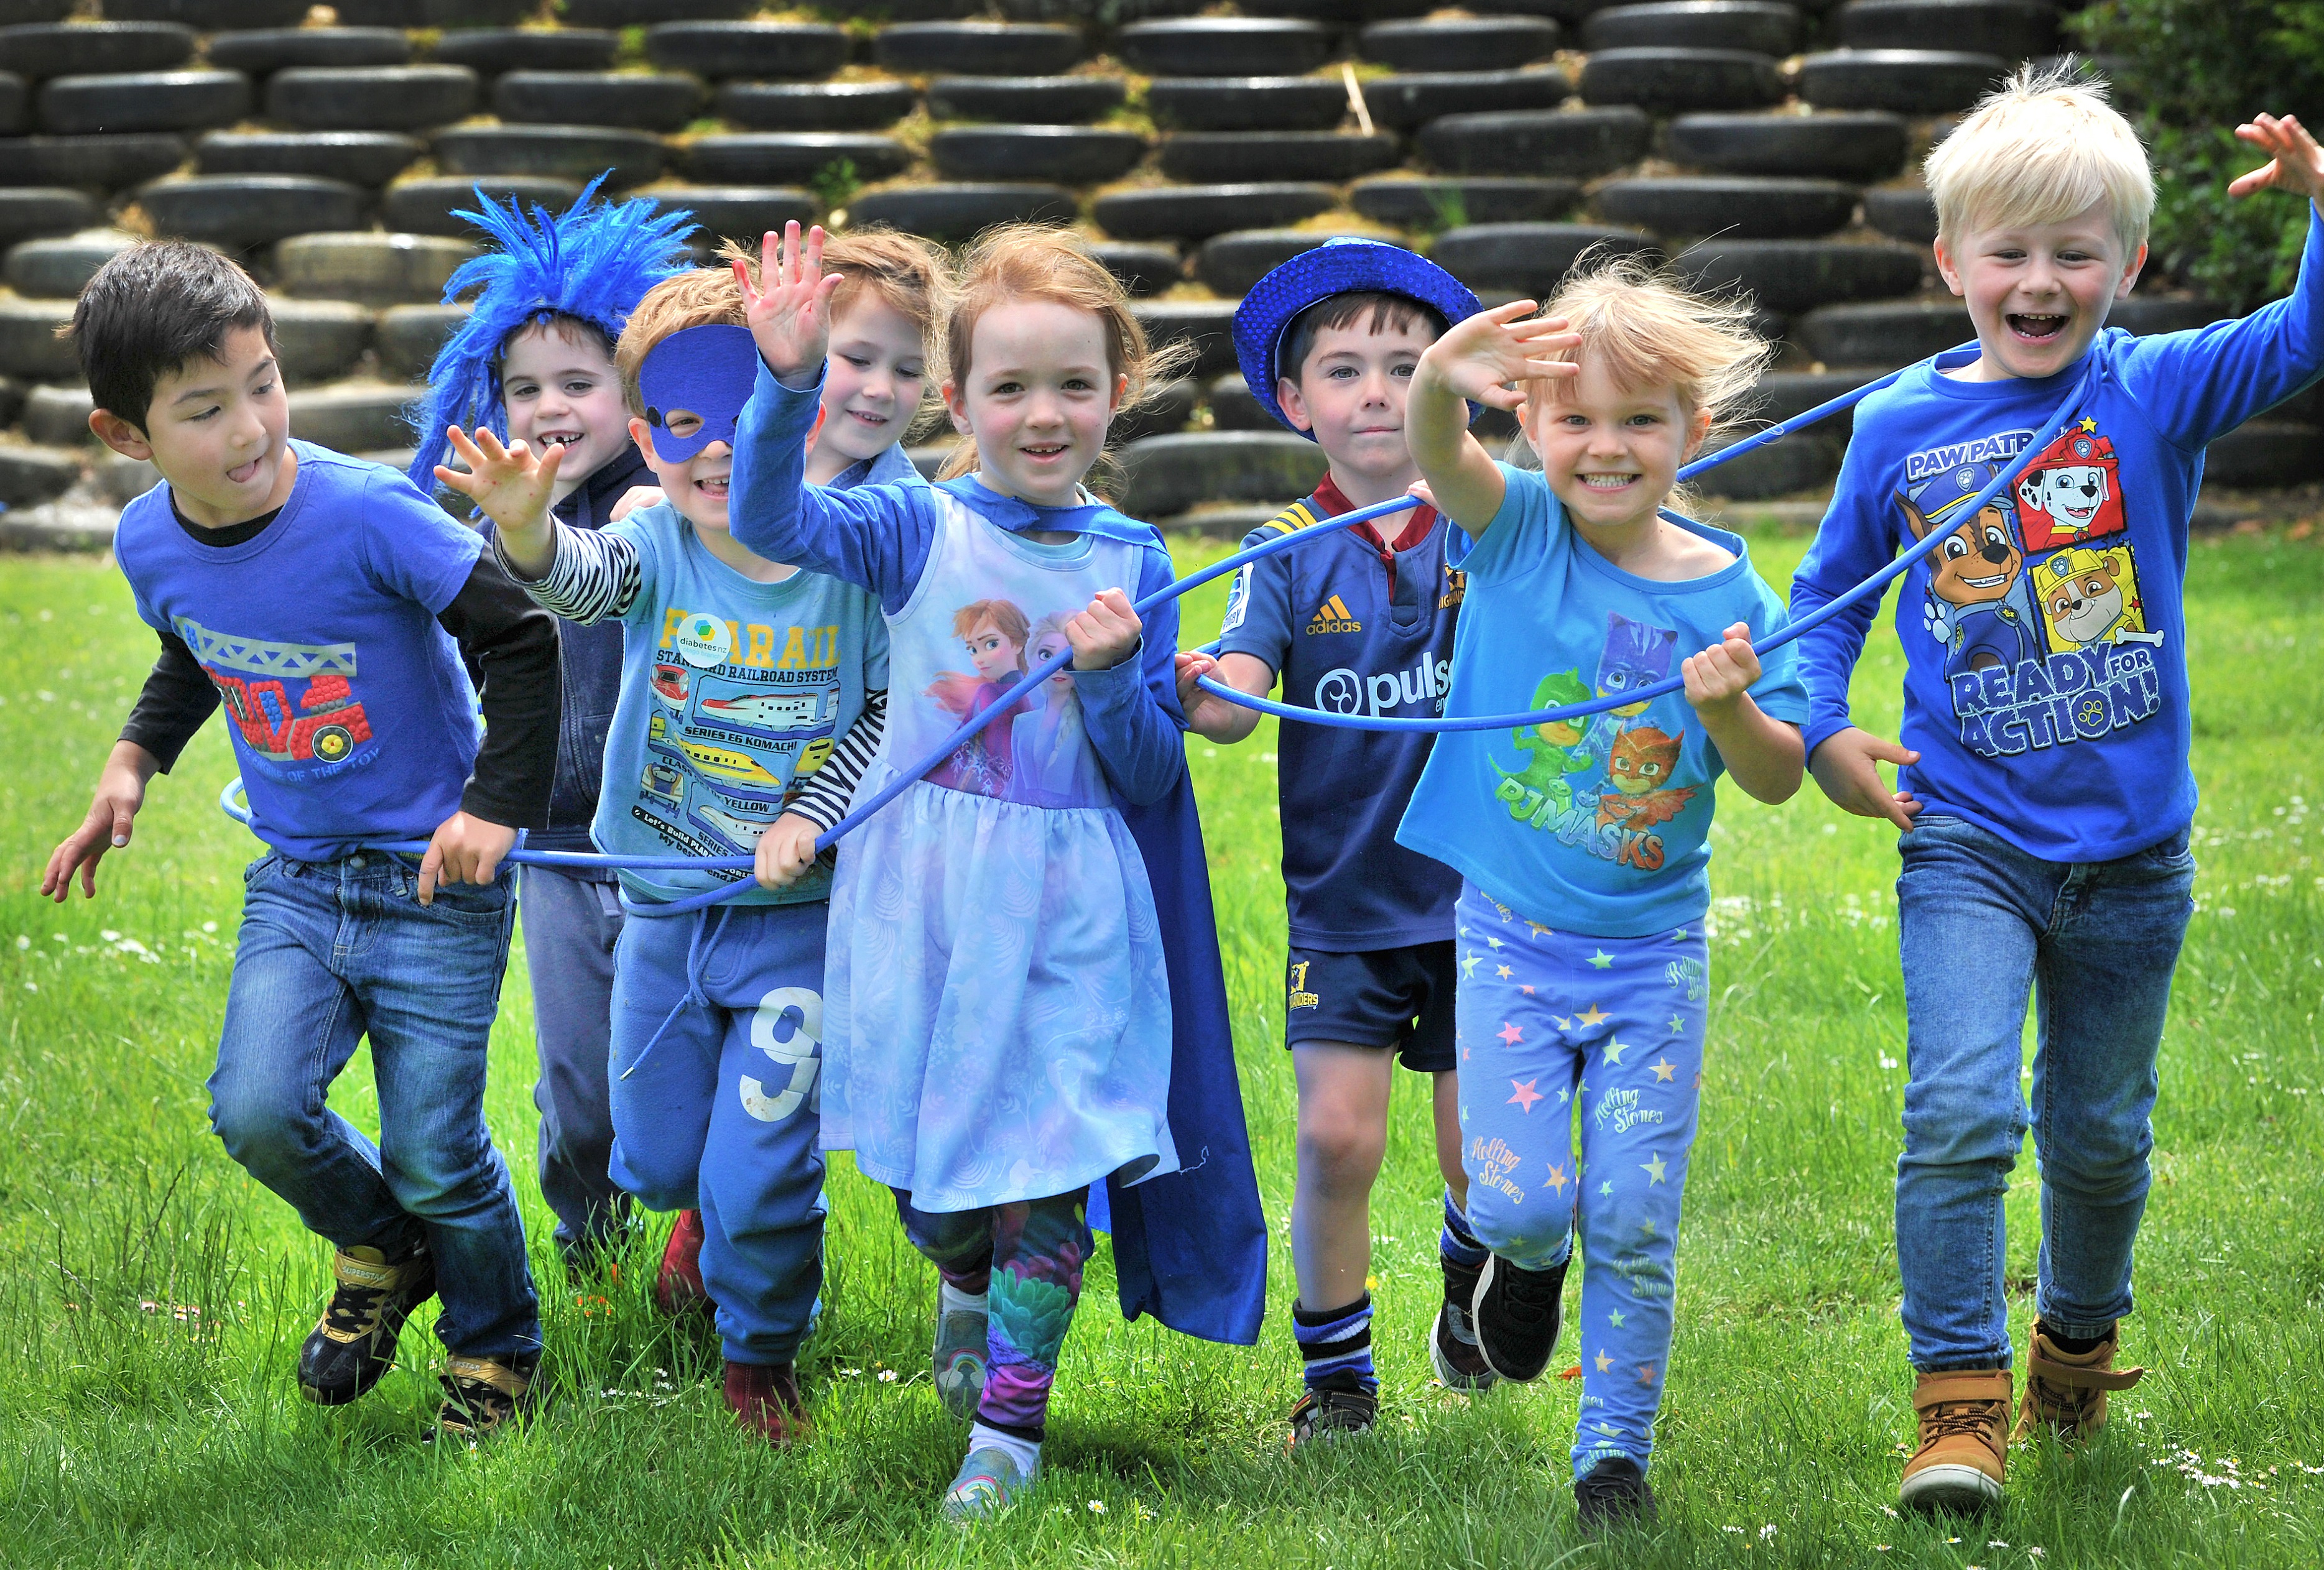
(879, 536)
(2045, 680)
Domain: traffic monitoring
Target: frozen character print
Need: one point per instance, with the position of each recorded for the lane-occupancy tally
(993, 634)
(1051, 762)
(1638, 774)
(1977, 604)
(2090, 597)
(2073, 492)
(1537, 791)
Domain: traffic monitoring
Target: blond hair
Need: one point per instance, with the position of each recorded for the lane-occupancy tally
(1649, 329)
(2042, 148)
(706, 296)
(1031, 261)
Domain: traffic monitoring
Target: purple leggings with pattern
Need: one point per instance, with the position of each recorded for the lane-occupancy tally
(1027, 1256)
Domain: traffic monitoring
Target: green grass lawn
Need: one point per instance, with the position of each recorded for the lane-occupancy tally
(153, 1298)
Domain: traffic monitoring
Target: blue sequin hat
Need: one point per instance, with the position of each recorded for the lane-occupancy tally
(1346, 265)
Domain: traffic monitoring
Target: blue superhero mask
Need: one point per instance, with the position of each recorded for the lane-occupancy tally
(694, 383)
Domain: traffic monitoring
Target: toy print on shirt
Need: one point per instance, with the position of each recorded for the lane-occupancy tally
(2034, 597)
(1635, 762)
(744, 714)
(293, 704)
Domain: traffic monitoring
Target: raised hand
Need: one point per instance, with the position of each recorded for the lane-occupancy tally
(2295, 164)
(1479, 358)
(788, 309)
(510, 484)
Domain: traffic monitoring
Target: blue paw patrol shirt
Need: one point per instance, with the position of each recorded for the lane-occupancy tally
(1353, 625)
(1594, 825)
(2045, 643)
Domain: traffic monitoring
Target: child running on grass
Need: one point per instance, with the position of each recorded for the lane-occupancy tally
(2043, 791)
(1584, 971)
(1006, 1025)
(331, 602)
(886, 315)
(1328, 343)
(534, 363)
(750, 702)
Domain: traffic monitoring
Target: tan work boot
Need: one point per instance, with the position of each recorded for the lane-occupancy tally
(1964, 1440)
(2067, 1391)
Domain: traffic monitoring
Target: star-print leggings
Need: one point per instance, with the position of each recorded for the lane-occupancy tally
(1028, 1257)
(1554, 1025)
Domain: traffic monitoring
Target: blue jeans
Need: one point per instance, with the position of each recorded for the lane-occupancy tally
(334, 951)
(717, 1103)
(1981, 924)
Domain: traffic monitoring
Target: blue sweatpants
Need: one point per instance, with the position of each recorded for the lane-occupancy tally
(717, 1041)
(1556, 1027)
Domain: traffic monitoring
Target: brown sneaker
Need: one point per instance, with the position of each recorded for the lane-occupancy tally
(353, 1345)
(765, 1399)
(2066, 1392)
(482, 1395)
(1964, 1439)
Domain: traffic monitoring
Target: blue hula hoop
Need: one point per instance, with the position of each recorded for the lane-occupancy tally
(1032, 679)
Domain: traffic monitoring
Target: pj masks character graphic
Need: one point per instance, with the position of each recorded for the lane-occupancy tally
(1556, 750)
(1976, 602)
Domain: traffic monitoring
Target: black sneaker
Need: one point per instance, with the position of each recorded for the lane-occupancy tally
(1452, 1348)
(353, 1346)
(1515, 1315)
(483, 1394)
(1614, 1494)
(1327, 1413)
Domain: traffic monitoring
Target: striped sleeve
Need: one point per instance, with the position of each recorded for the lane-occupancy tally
(595, 574)
(829, 789)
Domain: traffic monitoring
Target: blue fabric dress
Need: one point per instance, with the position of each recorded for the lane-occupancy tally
(1029, 939)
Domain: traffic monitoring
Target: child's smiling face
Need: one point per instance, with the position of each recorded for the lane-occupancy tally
(1611, 453)
(696, 486)
(1036, 399)
(1350, 395)
(561, 390)
(876, 371)
(991, 651)
(2037, 293)
(218, 430)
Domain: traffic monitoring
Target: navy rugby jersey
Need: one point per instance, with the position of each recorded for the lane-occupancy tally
(1353, 625)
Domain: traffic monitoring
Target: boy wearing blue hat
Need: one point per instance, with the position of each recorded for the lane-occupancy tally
(751, 698)
(1359, 621)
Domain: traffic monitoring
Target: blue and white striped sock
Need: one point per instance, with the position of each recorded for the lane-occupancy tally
(1456, 1242)
(1335, 1345)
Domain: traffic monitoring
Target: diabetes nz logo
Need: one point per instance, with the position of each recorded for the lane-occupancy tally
(1342, 691)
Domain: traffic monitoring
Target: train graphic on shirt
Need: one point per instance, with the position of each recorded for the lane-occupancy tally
(729, 750)
(293, 705)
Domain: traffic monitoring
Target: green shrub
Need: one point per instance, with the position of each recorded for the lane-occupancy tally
(2188, 72)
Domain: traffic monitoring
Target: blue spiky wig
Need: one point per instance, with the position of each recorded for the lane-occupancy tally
(594, 262)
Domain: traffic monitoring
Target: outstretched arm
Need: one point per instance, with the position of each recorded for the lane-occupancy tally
(1476, 361)
(511, 485)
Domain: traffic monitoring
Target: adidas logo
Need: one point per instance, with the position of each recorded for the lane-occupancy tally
(1331, 616)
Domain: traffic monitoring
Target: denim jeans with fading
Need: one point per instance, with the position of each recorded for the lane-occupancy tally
(1982, 925)
(331, 952)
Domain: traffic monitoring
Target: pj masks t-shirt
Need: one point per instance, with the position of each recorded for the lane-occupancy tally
(1594, 825)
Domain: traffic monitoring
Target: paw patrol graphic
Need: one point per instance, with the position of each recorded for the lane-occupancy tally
(2073, 492)
(1976, 603)
(2090, 597)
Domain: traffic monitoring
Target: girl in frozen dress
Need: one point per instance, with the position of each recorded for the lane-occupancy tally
(998, 1002)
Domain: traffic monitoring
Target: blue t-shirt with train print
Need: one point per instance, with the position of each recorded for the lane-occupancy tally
(1597, 825)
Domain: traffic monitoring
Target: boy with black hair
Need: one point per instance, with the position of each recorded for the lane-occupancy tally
(331, 602)
(1361, 622)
